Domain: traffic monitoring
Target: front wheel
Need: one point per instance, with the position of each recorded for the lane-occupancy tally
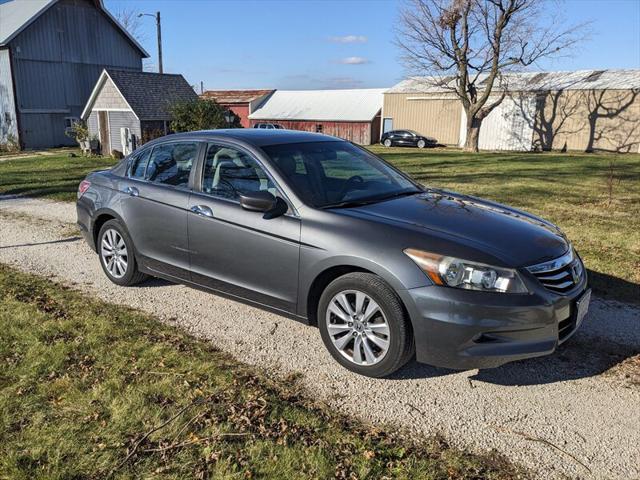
(387, 143)
(364, 326)
(117, 258)
(421, 143)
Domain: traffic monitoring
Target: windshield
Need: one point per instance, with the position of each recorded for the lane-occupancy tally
(336, 174)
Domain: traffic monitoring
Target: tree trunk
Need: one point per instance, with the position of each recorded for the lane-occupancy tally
(473, 134)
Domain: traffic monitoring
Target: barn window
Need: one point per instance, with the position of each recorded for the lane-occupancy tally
(318, 128)
(70, 121)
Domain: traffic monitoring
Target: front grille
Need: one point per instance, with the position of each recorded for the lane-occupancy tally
(559, 275)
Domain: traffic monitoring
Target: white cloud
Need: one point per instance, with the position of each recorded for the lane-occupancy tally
(349, 39)
(354, 61)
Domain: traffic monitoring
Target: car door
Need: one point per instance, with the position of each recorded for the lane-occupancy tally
(398, 137)
(403, 138)
(234, 250)
(155, 206)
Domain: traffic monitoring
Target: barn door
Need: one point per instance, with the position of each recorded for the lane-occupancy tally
(103, 125)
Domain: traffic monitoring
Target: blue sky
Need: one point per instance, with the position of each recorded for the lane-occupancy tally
(315, 44)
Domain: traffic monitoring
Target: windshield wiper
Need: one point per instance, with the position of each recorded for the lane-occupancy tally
(368, 201)
(346, 204)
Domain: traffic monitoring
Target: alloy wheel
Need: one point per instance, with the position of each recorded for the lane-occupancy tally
(358, 327)
(114, 253)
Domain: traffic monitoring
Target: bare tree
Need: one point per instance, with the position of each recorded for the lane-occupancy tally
(131, 21)
(467, 46)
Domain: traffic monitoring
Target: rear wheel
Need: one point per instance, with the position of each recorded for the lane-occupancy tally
(117, 258)
(387, 143)
(363, 325)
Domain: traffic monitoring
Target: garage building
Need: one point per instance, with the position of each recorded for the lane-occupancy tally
(585, 110)
(127, 109)
(353, 114)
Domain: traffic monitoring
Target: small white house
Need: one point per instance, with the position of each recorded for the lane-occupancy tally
(129, 108)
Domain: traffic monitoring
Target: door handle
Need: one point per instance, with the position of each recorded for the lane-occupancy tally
(202, 210)
(133, 191)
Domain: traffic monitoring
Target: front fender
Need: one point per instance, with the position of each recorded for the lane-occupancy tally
(313, 264)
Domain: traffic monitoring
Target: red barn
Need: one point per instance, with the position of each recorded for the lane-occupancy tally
(350, 114)
(240, 102)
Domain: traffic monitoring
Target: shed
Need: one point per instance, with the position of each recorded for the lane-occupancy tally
(51, 54)
(127, 109)
(241, 102)
(350, 114)
(582, 110)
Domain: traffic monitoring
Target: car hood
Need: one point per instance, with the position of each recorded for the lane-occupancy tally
(516, 237)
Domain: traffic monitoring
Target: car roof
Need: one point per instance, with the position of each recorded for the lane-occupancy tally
(253, 136)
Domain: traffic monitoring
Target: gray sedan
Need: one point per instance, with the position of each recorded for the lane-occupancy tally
(323, 231)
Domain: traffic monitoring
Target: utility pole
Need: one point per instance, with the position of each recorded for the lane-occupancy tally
(159, 29)
(159, 42)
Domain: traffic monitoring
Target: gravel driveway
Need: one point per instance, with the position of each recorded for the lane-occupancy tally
(573, 414)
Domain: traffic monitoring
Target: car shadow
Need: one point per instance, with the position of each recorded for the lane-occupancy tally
(613, 288)
(154, 282)
(50, 242)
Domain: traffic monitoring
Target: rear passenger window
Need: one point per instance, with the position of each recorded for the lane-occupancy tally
(171, 163)
(139, 164)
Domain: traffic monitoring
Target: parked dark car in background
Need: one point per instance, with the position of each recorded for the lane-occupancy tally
(269, 126)
(406, 138)
(325, 232)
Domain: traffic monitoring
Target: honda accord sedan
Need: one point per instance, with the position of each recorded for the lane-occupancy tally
(322, 231)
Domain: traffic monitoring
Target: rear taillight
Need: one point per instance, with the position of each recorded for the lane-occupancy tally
(83, 187)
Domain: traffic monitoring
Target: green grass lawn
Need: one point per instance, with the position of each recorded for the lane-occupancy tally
(53, 176)
(92, 390)
(570, 189)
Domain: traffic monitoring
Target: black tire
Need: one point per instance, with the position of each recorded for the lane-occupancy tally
(132, 275)
(401, 347)
(421, 144)
(387, 143)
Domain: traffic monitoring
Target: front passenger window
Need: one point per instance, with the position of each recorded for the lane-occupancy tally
(228, 172)
(171, 163)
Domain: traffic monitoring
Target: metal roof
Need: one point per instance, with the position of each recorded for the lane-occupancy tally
(535, 81)
(16, 15)
(150, 95)
(235, 96)
(357, 105)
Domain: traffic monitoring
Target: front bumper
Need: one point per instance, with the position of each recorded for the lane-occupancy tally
(464, 329)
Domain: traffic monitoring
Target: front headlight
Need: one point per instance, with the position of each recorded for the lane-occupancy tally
(458, 273)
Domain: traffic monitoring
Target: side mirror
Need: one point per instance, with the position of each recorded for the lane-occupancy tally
(265, 202)
(262, 201)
